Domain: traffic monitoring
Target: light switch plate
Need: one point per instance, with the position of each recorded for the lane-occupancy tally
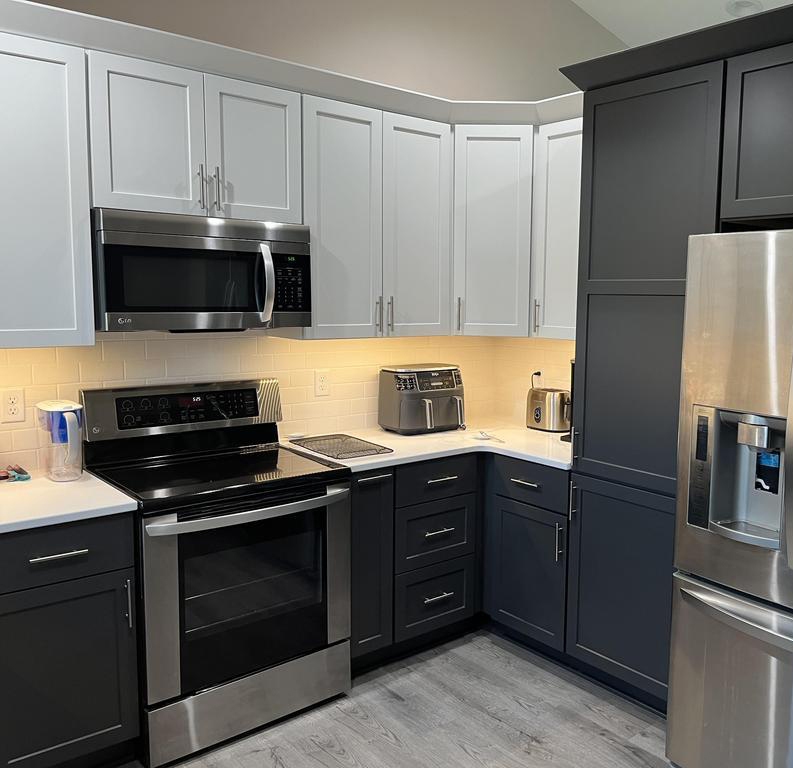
(12, 405)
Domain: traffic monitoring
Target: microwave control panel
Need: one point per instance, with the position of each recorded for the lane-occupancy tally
(161, 410)
(292, 282)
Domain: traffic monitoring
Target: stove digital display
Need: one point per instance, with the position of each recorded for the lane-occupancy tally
(142, 411)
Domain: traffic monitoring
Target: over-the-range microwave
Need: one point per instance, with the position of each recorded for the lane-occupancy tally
(166, 272)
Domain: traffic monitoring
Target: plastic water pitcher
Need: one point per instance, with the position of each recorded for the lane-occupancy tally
(61, 431)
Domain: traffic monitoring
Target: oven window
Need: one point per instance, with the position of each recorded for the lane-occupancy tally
(253, 596)
(148, 279)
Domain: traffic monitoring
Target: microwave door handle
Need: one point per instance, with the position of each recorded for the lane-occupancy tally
(266, 314)
(334, 495)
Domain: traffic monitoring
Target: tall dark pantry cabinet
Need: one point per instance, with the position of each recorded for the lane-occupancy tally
(650, 179)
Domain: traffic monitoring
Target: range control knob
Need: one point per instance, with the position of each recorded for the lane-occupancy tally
(129, 420)
(145, 404)
(163, 402)
(165, 417)
(126, 405)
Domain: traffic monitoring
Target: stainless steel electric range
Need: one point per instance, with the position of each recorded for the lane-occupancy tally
(244, 557)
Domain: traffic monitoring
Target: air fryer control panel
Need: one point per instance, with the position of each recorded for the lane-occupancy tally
(428, 381)
(138, 412)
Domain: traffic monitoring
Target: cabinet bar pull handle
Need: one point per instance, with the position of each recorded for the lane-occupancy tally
(536, 316)
(202, 200)
(440, 532)
(528, 484)
(576, 437)
(459, 313)
(571, 508)
(557, 550)
(378, 314)
(446, 479)
(437, 598)
(391, 313)
(128, 587)
(59, 556)
(218, 189)
(372, 479)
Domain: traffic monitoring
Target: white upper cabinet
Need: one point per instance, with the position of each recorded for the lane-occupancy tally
(492, 229)
(147, 135)
(417, 187)
(343, 179)
(45, 291)
(557, 194)
(253, 151)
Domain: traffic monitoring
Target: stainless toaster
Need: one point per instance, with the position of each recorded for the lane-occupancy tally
(421, 398)
(548, 409)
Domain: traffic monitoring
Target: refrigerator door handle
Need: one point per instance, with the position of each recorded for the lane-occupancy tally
(787, 490)
(761, 623)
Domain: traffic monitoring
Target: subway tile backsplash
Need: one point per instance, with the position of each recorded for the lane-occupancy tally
(496, 373)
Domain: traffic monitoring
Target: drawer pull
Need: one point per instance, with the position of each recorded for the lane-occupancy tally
(536, 486)
(440, 532)
(59, 556)
(438, 598)
(373, 479)
(446, 479)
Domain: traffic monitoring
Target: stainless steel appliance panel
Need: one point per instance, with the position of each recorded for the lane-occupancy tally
(186, 726)
(737, 355)
(731, 677)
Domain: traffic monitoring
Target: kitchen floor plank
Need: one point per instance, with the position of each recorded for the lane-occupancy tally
(478, 702)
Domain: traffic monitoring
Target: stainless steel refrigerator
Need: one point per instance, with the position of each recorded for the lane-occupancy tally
(731, 672)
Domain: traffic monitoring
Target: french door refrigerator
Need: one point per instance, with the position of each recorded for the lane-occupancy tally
(731, 672)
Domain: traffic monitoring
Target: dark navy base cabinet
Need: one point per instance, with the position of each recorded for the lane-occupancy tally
(372, 566)
(67, 670)
(620, 582)
(525, 569)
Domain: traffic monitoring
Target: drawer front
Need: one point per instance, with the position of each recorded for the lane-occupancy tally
(435, 531)
(530, 483)
(58, 553)
(437, 479)
(433, 597)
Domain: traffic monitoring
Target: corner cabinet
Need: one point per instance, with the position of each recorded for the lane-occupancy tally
(45, 292)
(492, 229)
(417, 190)
(174, 140)
(554, 250)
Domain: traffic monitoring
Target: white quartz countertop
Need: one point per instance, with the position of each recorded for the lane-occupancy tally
(518, 443)
(41, 501)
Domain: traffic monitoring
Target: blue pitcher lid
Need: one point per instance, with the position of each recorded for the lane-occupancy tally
(58, 406)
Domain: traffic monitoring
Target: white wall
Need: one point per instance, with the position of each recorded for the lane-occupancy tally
(460, 49)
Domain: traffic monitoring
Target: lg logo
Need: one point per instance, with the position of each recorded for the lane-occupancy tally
(124, 320)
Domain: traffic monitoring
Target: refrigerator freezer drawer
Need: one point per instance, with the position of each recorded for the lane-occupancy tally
(730, 682)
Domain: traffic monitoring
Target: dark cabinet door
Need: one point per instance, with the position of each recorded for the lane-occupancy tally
(67, 670)
(757, 177)
(650, 179)
(629, 385)
(525, 569)
(620, 582)
(372, 565)
(650, 173)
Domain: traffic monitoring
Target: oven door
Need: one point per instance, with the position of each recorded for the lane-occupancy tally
(182, 283)
(234, 590)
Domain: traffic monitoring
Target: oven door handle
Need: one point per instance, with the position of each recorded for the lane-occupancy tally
(334, 495)
(269, 283)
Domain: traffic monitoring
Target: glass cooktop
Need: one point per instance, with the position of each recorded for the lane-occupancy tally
(246, 469)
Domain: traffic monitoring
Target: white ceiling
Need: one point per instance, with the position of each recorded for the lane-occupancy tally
(636, 22)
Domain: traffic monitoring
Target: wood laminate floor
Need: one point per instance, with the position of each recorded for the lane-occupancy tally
(477, 701)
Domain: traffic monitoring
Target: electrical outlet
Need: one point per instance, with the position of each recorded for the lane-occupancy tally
(12, 405)
(321, 382)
